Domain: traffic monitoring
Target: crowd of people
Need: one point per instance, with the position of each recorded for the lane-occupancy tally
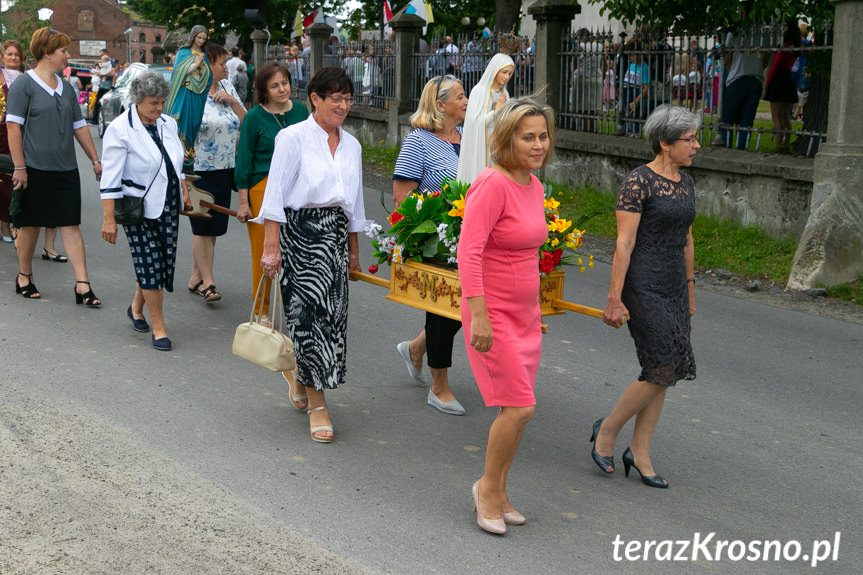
(628, 81)
(304, 212)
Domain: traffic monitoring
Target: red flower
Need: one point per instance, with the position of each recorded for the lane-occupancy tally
(546, 263)
(373, 269)
(395, 217)
(436, 194)
(556, 255)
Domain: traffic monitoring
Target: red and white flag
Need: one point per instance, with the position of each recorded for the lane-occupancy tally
(316, 16)
(388, 12)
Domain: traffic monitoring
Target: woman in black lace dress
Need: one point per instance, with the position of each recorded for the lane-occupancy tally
(652, 286)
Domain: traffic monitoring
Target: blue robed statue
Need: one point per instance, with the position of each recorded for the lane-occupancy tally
(190, 83)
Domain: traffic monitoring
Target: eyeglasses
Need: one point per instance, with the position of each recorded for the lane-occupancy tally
(337, 99)
(52, 31)
(692, 140)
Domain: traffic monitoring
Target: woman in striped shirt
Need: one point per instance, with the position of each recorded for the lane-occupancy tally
(428, 156)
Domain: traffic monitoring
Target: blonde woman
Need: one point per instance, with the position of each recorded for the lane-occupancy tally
(485, 98)
(498, 265)
(430, 155)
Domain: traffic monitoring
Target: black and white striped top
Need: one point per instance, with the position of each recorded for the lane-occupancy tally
(427, 160)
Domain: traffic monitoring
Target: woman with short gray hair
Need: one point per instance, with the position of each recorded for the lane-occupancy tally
(142, 157)
(653, 286)
(667, 124)
(148, 84)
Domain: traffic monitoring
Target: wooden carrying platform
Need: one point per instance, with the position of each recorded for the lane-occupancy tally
(437, 289)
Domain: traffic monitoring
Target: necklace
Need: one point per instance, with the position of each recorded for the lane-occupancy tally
(276, 118)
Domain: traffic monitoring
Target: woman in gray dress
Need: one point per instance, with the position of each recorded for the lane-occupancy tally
(42, 117)
(652, 286)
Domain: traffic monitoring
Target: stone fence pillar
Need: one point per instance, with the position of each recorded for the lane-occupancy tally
(830, 251)
(259, 43)
(553, 19)
(319, 33)
(407, 28)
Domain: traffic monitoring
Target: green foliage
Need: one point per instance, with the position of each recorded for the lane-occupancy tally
(718, 243)
(690, 15)
(24, 31)
(228, 14)
(851, 291)
(381, 156)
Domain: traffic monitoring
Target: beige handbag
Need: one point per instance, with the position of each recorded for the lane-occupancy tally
(262, 345)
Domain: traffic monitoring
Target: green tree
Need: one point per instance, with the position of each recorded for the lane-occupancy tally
(228, 14)
(695, 16)
(29, 24)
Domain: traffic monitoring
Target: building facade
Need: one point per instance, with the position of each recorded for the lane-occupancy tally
(94, 25)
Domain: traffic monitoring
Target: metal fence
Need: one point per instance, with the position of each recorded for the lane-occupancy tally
(371, 66)
(466, 59)
(612, 84)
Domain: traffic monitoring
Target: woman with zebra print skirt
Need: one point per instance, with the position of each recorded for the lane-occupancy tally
(312, 211)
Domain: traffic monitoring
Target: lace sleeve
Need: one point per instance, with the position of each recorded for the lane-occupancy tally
(632, 193)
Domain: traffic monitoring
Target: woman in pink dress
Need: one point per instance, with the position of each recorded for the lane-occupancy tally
(498, 262)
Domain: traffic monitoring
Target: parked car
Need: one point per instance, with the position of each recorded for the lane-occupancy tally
(117, 100)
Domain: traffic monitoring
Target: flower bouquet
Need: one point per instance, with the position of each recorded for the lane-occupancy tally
(427, 225)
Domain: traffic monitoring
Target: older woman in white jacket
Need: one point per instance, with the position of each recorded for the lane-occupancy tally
(142, 156)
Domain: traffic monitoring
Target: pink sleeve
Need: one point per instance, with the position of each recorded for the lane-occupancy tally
(483, 208)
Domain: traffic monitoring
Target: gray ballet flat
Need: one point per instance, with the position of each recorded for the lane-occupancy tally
(450, 407)
(418, 376)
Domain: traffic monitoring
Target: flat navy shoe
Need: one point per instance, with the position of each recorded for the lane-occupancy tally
(162, 344)
(140, 325)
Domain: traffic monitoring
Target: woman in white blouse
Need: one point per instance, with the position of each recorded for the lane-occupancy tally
(312, 211)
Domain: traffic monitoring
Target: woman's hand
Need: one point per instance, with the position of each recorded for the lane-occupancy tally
(500, 102)
(19, 180)
(224, 98)
(199, 59)
(97, 169)
(271, 261)
(691, 301)
(187, 199)
(109, 230)
(244, 213)
(481, 335)
(615, 314)
(354, 264)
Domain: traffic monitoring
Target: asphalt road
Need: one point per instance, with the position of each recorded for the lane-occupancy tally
(115, 457)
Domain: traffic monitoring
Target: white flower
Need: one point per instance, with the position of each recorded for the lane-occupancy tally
(452, 260)
(419, 203)
(373, 230)
(397, 254)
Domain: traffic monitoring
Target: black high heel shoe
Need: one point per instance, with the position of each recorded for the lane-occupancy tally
(29, 291)
(88, 298)
(603, 462)
(652, 481)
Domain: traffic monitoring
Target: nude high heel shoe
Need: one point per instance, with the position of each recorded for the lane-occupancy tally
(496, 526)
(513, 517)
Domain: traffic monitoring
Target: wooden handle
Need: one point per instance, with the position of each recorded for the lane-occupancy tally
(217, 208)
(383, 282)
(577, 308)
(196, 215)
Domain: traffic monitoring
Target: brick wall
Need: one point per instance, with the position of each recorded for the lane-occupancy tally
(103, 21)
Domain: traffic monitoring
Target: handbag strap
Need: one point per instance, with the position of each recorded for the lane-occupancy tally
(161, 158)
(276, 305)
